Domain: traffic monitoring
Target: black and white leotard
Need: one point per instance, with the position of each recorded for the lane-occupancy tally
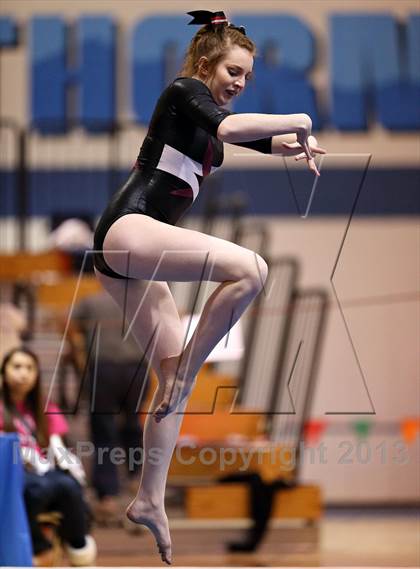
(178, 152)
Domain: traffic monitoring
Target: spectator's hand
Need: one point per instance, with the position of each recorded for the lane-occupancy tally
(66, 460)
(76, 469)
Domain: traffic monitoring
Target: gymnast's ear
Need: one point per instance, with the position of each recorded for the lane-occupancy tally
(203, 67)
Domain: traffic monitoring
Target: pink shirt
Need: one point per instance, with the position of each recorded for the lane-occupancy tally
(25, 426)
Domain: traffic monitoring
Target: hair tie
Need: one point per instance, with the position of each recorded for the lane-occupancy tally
(203, 17)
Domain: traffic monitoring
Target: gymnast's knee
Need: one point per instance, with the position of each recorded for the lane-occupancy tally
(253, 275)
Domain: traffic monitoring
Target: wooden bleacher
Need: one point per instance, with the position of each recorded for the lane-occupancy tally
(32, 266)
(59, 295)
(50, 275)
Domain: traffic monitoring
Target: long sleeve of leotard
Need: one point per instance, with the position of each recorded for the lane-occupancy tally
(194, 99)
(261, 145)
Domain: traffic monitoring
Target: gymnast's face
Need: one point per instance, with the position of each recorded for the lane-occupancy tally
(230, 75)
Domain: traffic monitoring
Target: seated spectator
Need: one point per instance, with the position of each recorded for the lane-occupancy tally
(50, 482)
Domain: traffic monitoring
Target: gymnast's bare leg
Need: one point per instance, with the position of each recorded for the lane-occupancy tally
(157, 319)
(152, 311)
(164, 252)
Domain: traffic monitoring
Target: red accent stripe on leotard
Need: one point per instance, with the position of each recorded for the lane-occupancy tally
(184, 192)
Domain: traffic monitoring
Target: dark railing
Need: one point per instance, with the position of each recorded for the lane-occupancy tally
(19, 174)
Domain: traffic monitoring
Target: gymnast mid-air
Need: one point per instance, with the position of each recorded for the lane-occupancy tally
(138, 247)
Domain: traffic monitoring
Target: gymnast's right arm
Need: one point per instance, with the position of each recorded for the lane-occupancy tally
(249, 126)
(195, 100)
(252, 126)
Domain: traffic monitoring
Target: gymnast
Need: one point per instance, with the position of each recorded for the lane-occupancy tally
(138, 247)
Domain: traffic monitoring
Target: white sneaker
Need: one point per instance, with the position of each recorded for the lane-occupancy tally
(82, 556)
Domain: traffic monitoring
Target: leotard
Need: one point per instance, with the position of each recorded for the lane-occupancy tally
(178, 152)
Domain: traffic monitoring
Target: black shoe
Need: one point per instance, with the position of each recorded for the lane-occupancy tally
(242, 546)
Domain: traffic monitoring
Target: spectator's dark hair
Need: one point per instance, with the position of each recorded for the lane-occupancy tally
(34, 400)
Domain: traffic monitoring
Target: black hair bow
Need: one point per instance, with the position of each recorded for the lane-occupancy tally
(203, 17)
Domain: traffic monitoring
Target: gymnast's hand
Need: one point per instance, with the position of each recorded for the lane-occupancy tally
(310, 147)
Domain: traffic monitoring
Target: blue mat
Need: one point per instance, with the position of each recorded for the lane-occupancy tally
(15, 537)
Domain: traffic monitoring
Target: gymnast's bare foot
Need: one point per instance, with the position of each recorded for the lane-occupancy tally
(143, 512)
(178, 385)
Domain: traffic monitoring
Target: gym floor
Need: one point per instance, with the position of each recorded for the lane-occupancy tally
(352, 537)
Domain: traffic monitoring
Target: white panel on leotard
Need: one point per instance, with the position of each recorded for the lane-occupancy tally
(175, 162)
